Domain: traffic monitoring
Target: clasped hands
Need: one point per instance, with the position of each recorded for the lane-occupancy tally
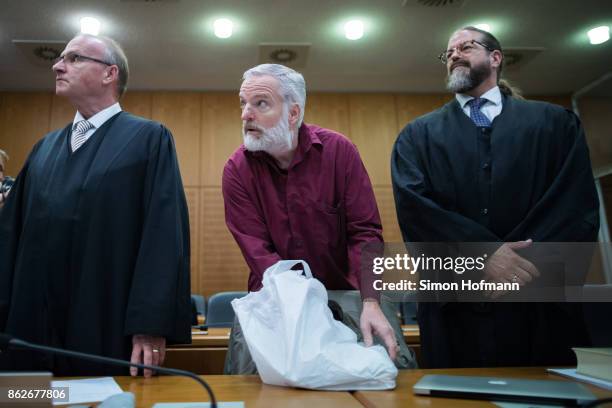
(506, 266)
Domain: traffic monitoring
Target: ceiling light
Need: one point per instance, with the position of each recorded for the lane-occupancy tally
(599, 35)
(223, 28)
(353, 30)
(483, 27)
(90, 25)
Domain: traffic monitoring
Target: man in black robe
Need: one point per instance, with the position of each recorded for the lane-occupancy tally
(493, 168)
(94, 237)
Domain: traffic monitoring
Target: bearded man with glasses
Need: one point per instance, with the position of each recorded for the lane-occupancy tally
(94, 237)
(489, 167)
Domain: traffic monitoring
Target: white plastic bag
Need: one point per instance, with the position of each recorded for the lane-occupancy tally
(295, 340)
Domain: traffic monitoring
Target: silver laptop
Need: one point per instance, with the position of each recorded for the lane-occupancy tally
(503, 389)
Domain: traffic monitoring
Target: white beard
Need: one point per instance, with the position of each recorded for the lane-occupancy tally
(275, 140)
(459, 80)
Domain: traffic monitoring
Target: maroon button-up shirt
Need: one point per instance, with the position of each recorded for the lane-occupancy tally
(321, 209)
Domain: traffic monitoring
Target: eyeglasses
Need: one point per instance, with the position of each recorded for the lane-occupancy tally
(72, 58)
(464, 48)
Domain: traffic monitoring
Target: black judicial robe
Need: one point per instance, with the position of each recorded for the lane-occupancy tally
(94, 247)
(529, 176)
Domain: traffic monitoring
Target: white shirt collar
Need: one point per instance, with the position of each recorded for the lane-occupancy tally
(493, 95)
(99, 118)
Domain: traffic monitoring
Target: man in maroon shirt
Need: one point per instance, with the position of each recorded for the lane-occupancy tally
(298, 191)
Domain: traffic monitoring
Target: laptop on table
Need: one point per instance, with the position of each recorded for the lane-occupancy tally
(565, 393)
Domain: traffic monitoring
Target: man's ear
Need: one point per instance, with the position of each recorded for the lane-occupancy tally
(294, 115)
(496, 58)
(110, 75)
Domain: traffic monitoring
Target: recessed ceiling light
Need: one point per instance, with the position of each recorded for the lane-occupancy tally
(353, 30)
(483, 27)
(599, 35)
(223, 27)
(90, 25)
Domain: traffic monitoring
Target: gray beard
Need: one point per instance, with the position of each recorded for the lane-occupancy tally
(460, 81)
(275, 140)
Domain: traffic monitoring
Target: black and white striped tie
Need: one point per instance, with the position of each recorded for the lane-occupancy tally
(78, 133)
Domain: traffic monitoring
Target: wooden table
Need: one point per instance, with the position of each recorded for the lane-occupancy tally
(403, 397)
(231, 388)
(206, 353)
(255, 394)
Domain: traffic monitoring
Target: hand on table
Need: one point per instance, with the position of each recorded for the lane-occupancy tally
(149, 350)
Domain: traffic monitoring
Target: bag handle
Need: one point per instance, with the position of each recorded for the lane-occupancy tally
(286, 265)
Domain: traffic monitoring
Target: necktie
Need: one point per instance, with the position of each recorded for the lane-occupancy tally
(78, 134)
(476, 114)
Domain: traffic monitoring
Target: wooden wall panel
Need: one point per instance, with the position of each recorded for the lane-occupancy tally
(330, 111)
(180, 112)
(24, 119)
(62, 112)
(138, 103)
(374, 129)
(221, 134)
(386, 207)
(222, 267)
(411, 106)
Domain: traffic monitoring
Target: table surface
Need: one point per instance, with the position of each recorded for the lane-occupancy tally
(247, 388)
(255, 394)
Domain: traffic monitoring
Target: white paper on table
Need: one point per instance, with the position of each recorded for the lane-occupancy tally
(88, 390)
(572, 373)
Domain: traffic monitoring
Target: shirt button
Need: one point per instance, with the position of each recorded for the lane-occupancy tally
(485, 211)
(485, 166)
(298, 243)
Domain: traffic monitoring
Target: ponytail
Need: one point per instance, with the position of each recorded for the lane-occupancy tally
(507, 89)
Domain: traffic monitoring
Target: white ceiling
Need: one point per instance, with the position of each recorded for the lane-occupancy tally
(170, 44)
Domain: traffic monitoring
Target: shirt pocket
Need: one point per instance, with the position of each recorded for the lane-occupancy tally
(329, 223)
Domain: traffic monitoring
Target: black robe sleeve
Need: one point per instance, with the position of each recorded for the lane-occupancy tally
(569, 210)
(158, 302)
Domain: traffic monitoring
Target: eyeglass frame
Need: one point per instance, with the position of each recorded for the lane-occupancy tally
(444, 59)
(74, 57)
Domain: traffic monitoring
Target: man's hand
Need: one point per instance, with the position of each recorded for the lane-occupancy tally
(152, 348)
(373, 321)
(505, 265)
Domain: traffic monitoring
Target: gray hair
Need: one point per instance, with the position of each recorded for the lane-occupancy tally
(115, 56)
(292, 84)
